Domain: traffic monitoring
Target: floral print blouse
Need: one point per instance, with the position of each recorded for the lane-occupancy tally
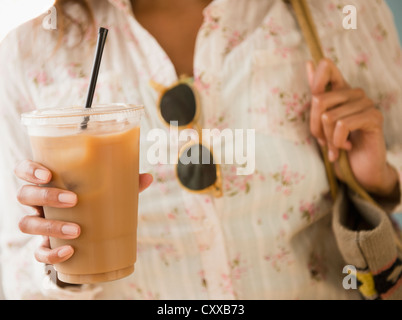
(269, 236)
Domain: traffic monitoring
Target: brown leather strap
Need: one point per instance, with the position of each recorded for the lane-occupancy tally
(310, 34)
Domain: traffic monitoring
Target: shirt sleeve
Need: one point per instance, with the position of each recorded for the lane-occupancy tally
(22, 276)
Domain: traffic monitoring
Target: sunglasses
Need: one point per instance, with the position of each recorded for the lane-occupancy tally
(196, 170)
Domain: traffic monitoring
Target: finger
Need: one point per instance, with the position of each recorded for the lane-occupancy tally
(32, 172)
(47, 255)
(310, 68)
(323, 102)
(334, 115)
(327, 72)
(40, 196)
(57, 229)
(145, 181)
(328, 128)
(331, 120)
(370, 120)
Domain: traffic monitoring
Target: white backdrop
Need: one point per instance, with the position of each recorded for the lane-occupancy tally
(15, 12)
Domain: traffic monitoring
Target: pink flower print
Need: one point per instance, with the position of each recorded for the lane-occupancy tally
(75, 70)
(286, 180)
(234, 184)
(149, 295)
(194, 214)
(203, 247)
(226, 283)
(211, 22)
(40, 78)
(331, 6)
(280, 255)
(201, 84)
(379, 33)
(145, 295)
(308, 210)
(162, 175)
(167, 252)
(219, 121)
(172, 215)
(238, 267)
(386, 100)
(273, 30)
(284, 52)
(296, 105)
(279, 258)
(234, 39)
(362, 60)
(275, 91)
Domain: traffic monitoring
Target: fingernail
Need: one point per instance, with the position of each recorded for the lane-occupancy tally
(64, 252)
(69, 230)
(331, 156)
(42, 174)
(69, 198)
(325, 118)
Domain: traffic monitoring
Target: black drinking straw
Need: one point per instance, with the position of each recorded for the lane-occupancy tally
(95, 71)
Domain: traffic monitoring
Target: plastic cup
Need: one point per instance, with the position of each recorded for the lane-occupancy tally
(101, 165)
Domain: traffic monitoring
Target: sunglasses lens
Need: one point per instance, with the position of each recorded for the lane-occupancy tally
(178, 104)
(196, 169)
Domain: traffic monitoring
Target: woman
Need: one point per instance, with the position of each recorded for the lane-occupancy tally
(269, 236)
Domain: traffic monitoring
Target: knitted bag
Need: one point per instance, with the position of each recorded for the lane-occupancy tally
(366, 237)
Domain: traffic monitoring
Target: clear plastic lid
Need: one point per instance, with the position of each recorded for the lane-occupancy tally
(71, 116)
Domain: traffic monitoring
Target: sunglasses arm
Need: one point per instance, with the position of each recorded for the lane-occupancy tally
(157, 86)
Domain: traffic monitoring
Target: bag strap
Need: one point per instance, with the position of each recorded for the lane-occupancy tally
(310, 34)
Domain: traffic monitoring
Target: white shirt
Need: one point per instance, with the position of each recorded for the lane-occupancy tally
(269, 236)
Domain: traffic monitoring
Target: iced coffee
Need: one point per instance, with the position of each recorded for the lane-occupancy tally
(98, 162)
